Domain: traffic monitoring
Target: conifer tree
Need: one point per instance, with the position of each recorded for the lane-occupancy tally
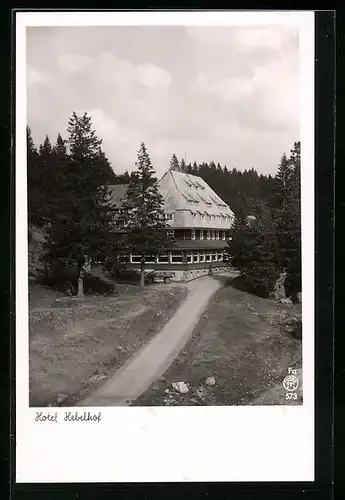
(144, 214)
(82, 227)
(34, 181)
(286, 201)
(252, 251)
(174, 163)
(183, 166)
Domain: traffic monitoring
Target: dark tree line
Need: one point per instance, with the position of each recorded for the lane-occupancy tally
(272, 244)
(69, 200)
(67, 197)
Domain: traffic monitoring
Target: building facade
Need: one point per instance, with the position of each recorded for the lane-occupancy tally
(200, 221)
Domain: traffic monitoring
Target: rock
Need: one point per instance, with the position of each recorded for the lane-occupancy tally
(210, 381)
(279, 288)
(285, 301)
(299, 297)
(180, 387)
(167, 391)
(60, 398)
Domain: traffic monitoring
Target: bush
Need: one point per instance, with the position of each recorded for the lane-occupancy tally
(252, 284)
(123, 273)
(67, 282)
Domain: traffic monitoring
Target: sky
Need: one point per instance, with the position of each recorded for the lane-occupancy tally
(224, 94)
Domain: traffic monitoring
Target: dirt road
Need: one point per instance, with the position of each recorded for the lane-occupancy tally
(132, 379)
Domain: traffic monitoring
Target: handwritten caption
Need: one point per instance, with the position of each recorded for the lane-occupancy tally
(68, 416)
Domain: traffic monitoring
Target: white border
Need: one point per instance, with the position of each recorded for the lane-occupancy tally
(181, 443)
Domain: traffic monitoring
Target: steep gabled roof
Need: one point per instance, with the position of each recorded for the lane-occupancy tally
(180, 191)
(189, 192)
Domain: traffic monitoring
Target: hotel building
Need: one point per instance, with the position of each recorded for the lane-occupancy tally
(200, 221)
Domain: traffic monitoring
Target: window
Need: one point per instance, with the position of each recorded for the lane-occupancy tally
(135, 259)
(121, 222)
(209, 218)
(214, 257)
(208, 257)
(220, 257)
(169, 216)
(212, 235)
(223, 235)
(150, 259)
(205, 199)
(163, 259)
(202, 257)
(189, 258)
(217, 235)
(208, 235)
(176, 257)
(195, 257)
(193, 234)
(203, 217)
(201, 234)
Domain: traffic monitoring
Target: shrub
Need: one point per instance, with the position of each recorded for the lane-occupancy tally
(67, 282)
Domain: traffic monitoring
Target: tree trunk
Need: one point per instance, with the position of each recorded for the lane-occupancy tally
(142, 272)
(81, 285)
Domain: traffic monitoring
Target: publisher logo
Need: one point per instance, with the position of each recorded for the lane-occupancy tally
(290, 383)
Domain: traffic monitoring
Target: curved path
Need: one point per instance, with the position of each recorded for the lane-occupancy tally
(135, 376)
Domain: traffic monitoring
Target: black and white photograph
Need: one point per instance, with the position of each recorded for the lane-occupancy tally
(164, 168)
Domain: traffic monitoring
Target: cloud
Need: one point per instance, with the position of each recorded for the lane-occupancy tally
(73, 63)
(210, 93)
(268, 96)
(154, 77)
(34, 77)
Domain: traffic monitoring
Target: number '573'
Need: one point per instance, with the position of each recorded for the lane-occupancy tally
(291, 395)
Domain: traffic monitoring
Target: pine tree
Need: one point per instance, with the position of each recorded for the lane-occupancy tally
(34, 182)
(104, 167)
(183, 166)
(294, 272)
(174, 164)
(144, 214)
(282, 182)
(83, 221)
(287, 213)
(45, 162)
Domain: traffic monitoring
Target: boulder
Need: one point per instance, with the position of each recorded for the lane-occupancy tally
(180, 387)
(278, 292)
(210, 381)
(285, 301)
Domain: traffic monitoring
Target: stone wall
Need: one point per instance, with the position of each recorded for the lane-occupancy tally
(191, 274)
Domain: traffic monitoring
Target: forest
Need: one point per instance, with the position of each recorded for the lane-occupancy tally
(67, 199)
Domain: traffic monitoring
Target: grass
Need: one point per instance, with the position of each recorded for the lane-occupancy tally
(241, 341)
(75, 346)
